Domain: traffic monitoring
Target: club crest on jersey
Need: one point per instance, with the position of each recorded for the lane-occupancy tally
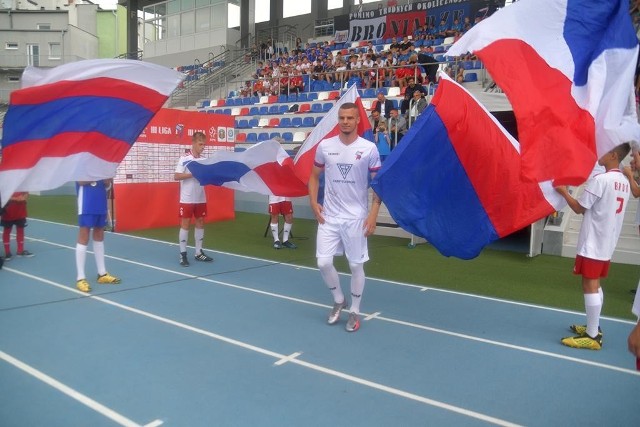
(359, 155)
(344, 169)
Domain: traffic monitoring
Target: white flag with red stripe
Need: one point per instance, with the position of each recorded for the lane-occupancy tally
(327, 128)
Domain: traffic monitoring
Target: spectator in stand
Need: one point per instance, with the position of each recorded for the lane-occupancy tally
(374, 120)
(406, 44)
(395, 45)
(397, 128)
(404, 104)
(457, 26)
(467, 24)
(442, 29)
(416, 106)
(412, 87)
(382, 141)
(329, 70)
(285, 83)
(460, 75)
(401, 74)
(383, 106)
(296, 83)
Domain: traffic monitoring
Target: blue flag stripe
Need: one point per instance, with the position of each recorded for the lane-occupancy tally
(116, 118)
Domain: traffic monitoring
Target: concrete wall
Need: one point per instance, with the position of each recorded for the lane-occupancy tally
(112, 32)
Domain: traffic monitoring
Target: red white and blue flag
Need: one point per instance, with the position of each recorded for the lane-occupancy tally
(264, 168)
(567, 67)
(76, 122)
(327, 128)
(455, 178)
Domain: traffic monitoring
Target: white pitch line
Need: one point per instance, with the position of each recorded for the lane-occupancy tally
(155, 423)
(372, 315)
(288, 358)
(421, 288)
(74, 394)
(275, 355)
(302, 301)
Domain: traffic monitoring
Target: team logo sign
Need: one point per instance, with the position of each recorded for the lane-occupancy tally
(344, 169)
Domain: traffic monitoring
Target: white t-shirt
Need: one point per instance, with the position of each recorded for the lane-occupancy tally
(190, 189)
(346, 176)
(605, 199)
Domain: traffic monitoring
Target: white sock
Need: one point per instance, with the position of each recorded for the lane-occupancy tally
(81, 256)
(274, 231)
(592, 306)
(286, 231)
(357, 285)
(182, 238)
(601, 295)
(199, 236)
(98, 253)
(331, 279)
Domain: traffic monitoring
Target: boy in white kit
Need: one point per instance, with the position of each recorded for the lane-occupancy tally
(603, 203)
(193, 201)
(344, 219)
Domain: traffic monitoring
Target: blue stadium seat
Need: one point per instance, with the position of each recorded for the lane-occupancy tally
(282, 98)
(273, 109)
(313, 96)
(254, 111)
(471, 77)
(255, 99)
(369, 93)
(264, 110)
(287, 136)
(252, 137)
(292, 97)
(226, 111)
(303, 97)
(242, 124)
(283, 109)
(318, 119)
(308, 122)
(316, 108)
(327, 106)
(296, 122)
(246, 101)
(285, 122)
(274, 135)
(263, 136)
(253, 123)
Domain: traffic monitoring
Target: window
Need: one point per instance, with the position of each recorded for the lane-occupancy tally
(188, 23)
(11, 46)
(295, 7)
(203, 19)
(33, 55)
(218, 14)
(174, 25)
(13, 79)
(43, 26)
(263, 11)
(55, 51)
(233, 15)
(334, 4)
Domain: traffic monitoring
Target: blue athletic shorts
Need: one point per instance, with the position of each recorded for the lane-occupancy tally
(92, 221)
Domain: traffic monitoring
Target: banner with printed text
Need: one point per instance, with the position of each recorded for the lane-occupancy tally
(401, 20)
(145, 193)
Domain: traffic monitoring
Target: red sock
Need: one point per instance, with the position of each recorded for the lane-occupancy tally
(20, 238)
(6, 235)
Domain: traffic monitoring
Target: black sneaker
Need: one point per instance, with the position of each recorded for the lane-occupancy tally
(202, 257)
(8, 256)
(25, 253)
(1, 262)
(277, 245)
(183, 259)
(289, 245)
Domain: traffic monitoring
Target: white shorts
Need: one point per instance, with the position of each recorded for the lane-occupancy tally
(337, 235)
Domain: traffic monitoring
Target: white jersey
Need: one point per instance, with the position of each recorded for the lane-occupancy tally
(190, 189)
(346, 176)
(605, 200)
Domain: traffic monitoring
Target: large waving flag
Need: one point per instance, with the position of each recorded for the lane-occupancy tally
(567, 66)
(264, 168)
(455, 178)
(76, 122)
(327, 128)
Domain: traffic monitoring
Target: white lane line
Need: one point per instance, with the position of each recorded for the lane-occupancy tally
(288, 358)
(155, 423)
(278, 356)
(315, 304)
(372, 315)
(421, 288)
(74, 394)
